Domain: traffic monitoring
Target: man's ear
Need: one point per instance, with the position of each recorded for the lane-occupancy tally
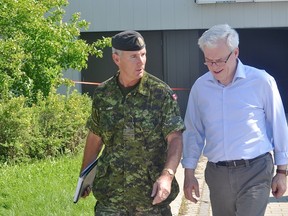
(236, 51)
(116, 58)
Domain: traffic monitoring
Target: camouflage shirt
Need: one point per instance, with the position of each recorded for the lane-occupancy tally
(133, 129)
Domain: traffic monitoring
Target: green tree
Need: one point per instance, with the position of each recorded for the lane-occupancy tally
(36, 46)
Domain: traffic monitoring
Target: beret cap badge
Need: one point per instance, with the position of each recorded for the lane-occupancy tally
(140, 42)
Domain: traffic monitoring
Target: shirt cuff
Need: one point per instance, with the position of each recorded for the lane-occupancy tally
(189, 163)
(281, 158)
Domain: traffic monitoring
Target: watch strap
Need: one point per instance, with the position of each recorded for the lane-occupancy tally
(285, 172)
(170, 171)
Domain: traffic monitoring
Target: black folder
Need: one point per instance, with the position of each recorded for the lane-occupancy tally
(85, 179)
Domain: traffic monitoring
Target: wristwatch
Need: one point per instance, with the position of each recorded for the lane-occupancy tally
(285, 172)
(170, 171)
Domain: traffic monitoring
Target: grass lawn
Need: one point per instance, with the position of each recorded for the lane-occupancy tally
(43, 188)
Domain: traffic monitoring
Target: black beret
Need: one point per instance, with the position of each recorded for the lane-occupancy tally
(128, 41)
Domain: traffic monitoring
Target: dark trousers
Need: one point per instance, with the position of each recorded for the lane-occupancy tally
(101, 210)
(240, 190)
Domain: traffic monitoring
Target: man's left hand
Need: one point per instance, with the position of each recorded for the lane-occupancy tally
(279, 185)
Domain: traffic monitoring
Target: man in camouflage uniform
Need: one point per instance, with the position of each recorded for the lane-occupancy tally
(136, 117)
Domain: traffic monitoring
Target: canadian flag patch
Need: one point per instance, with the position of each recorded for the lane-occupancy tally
(174, 96)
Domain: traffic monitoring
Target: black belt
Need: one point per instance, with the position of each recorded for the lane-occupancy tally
(236, 163)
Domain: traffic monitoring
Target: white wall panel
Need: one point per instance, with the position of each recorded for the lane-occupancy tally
(153, 14)
(264, 14)
(279, 18)
(109, 18)
(250, 15)
(238, 12)
(116, 15)
(167, 14)
(182, 19)
(126, 12)
(140, 9)
(209, 15)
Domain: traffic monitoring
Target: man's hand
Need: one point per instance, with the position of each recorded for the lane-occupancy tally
(86, 192)
(279, 185)
(191, 186)
(161, 188)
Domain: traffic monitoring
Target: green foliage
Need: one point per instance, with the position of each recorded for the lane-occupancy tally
(36, 46)
(51, 127)
(45, 188)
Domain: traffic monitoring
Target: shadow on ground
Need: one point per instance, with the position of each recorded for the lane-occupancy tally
(282, 199)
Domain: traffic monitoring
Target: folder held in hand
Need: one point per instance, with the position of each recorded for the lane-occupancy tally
(85, 179)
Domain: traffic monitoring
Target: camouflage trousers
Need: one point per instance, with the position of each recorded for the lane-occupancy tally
(101, 210)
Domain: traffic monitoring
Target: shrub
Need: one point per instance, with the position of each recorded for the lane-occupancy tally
(51, 127)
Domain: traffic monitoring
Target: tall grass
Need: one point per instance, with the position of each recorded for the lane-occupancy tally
(43, 188)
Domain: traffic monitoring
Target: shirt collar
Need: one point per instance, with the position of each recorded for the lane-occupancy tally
(240, 73)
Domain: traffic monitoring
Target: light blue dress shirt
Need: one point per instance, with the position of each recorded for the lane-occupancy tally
(239, 121)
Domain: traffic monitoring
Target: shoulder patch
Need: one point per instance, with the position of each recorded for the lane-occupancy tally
(174, 96)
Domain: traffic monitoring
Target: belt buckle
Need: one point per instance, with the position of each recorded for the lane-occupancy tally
(231, 163)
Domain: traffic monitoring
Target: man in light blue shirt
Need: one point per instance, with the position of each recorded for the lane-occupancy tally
(235, 116)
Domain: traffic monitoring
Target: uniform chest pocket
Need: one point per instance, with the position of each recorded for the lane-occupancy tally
(106, 117)
(109, 120)
(147, 122)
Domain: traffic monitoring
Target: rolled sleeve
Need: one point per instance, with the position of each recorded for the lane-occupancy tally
(172, 120)
(281, 158)
(174, 124)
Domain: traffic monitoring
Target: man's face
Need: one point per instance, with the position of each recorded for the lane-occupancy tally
(131, 65)
(221, 62)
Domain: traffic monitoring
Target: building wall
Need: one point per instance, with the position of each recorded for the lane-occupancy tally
(116, 15)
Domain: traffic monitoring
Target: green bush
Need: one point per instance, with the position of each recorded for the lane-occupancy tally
(54, 126)
(37, 45)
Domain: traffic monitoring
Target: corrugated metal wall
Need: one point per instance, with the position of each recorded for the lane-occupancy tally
(116, 15)
(181, 62)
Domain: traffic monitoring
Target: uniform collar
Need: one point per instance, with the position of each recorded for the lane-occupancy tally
(141, 88)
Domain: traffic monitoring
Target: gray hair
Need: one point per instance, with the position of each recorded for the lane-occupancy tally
(212, 36)
(116, 51)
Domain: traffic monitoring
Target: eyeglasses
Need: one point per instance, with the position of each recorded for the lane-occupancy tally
(219, 63)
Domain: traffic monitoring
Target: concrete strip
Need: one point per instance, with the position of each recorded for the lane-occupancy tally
(176, 204)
